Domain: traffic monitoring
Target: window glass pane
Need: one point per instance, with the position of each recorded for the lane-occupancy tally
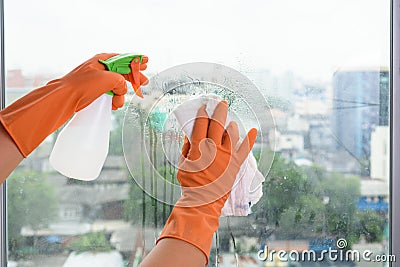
(323, 69)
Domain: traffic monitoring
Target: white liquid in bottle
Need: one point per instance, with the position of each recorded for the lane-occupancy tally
(82, 146)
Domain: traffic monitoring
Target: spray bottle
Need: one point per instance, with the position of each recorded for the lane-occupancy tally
(82, 146)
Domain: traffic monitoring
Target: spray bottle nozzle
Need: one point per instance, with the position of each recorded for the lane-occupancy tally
(121, 63)
(125, 64)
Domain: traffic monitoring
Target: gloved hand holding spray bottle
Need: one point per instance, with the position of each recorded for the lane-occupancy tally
(82, 146)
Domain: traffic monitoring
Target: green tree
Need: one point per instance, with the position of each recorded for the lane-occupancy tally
(343, 193)
(284, 186)
(370, 225)
(93, 242)
(31, 202)
(304, 220)
(307, 202)
(327, 209)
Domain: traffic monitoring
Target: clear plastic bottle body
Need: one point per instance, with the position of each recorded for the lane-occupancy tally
(82, 146)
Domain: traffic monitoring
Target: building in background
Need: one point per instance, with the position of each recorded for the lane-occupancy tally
(375, 189)
(380, 149)
(360, 104)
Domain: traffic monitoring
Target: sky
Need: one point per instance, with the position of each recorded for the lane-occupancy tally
(311, 38)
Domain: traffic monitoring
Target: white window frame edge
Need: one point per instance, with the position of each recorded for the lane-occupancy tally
(394, 132)
(3, 210)
(394, 207)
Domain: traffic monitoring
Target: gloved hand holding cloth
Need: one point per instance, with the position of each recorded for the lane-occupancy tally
(207, 170)
(247, 189)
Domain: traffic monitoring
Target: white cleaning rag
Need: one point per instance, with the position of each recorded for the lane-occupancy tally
(247, 189)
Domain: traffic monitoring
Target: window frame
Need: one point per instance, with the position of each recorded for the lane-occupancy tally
(394, 190)
(3, 196)
(394, 220)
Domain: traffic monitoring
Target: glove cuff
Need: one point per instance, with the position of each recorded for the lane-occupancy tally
(194, 225)
(30, 119)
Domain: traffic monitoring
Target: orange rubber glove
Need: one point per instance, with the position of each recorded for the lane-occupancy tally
(33, 117)
(207, 171)
(137, 78)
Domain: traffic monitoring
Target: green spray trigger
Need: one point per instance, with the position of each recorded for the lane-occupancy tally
(121, 63)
